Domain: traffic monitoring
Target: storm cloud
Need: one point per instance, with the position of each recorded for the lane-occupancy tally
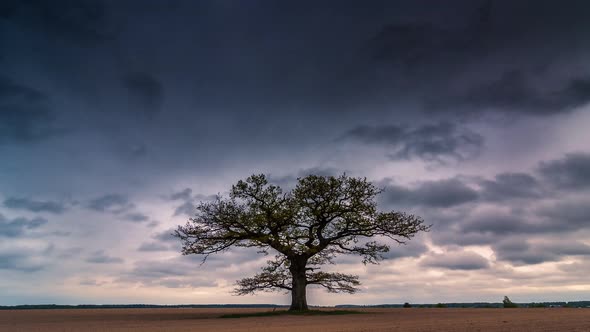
(508, 186)
(18, 226)
(118, 118)
(441, 193)
(437, 142)
(482, 40)
(521, 253)
(514, 91)
(570, 172)
(18, 262)
(82, 22)
(34, 205)
(25, 116)
(114, 203)
(146, 91)
(136, 217)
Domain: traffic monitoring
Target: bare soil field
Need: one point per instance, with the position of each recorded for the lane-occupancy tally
(414, 319)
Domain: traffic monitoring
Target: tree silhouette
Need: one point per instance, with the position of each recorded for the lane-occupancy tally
(508, 304)
(322, 217)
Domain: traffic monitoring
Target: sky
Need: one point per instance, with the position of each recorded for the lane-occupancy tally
(118, 117)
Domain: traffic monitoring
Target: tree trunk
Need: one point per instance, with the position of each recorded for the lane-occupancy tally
(298, 295)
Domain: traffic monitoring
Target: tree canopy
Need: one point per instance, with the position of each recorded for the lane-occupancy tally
(305, 228)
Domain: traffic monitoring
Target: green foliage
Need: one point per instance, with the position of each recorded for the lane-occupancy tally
(407, 305)
(308, 227)
(440, 305)
(296, 313)
(509, 304)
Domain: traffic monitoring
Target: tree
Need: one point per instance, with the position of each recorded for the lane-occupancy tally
(321, 218)
(509, 304)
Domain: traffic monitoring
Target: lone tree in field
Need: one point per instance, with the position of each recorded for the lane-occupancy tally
(509, 304)
(305, 229)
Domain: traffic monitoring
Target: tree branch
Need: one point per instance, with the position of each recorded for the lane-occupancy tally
(274, 277)
(334, 282)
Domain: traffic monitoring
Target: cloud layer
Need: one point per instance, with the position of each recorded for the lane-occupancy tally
(118, 118)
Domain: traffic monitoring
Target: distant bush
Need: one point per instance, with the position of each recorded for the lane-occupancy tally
(440, 305)
(509, 304)
(407, 305)
(537, 305)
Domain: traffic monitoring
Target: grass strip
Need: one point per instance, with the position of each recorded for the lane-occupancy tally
(293, 313)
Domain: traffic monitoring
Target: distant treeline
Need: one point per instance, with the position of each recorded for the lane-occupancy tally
(572, 304)
(427, 305)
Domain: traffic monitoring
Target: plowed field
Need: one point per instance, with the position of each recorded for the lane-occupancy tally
(415, 319)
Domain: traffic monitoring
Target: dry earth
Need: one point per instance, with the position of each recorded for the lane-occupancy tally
(415, 319)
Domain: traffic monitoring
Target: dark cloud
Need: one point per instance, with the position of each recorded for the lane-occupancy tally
(438, 142)
(526, 219)
(18, 226)
(18, 262)
(136, 217)
(508, 186)
(114, 203)
(523, 219)
(413, 248)
(522, 205)
(418, 43)
(439, 194)
(8, 9)
(571, 172)
(506, 44)
(499, 224)
(11, 91)
(33, 205)
(70, 253)
(99, 257)
(182, 195)
(514, 91)
(187, 209)
(573, 214)
(456, 260)
(522, 252)
(24, 113)
(138, 151)
(452, 237)
(167, 236)
(24, 258)
(518, 251)
(145, 90)
(80, 22)
(394, 51)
